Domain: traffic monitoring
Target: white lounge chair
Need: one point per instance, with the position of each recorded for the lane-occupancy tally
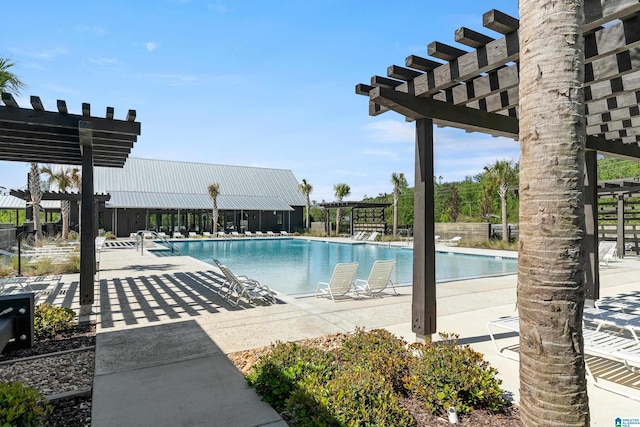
(453, 241)
(178, 235)
(357, 236)
(206, 234)
(259, 234)
(341, 281)
(271, 234)
(596, 342)
(379, 279)
(162, 235)
(248, 234)
(235, 234)
(222, 234)
(607, 251)
(372, 237)
(284, 233)
(243, 287)
(193, 234)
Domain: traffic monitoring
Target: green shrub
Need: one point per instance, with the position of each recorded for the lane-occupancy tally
(50, 320)
(22, 406)
(356, 396)
(445, 375)
(278, 374)
(377, 350)
(360, 383)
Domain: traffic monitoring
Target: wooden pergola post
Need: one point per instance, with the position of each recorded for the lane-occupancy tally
(592, 262)
(87, 220)
(620, 237)
(423, 307)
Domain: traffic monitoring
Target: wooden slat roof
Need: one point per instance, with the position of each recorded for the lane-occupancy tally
(475, 86)
(36, 135)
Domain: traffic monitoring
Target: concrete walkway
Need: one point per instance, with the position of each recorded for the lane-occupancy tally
(163, 334)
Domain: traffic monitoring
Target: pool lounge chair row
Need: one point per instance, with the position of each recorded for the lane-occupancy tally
(206, 234)
(343, 280)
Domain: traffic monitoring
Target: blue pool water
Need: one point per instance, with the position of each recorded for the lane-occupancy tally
(295, 266)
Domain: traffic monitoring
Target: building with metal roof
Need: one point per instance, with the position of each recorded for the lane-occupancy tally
(172, 196)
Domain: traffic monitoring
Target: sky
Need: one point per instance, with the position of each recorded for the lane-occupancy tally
(252, 83)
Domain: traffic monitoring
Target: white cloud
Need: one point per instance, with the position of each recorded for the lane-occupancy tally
(102, 61)
(391, 131)
(95, 30)
(151, 46)
(43, 54)
(218, 7)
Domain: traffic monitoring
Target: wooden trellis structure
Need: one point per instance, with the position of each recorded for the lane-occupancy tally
(365, 216)
(475, 87)
(36, 135)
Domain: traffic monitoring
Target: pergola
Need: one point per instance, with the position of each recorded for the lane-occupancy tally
(474, 87)
(36, 135)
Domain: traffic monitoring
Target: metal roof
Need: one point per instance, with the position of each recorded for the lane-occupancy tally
(11, 202)
(183, 185)
(129, 199)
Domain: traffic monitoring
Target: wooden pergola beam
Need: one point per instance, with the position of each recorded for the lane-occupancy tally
(444, 113)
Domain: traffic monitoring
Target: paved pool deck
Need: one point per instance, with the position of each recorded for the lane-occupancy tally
(163, 334)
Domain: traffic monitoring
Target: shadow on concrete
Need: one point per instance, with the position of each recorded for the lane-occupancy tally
(171, 374)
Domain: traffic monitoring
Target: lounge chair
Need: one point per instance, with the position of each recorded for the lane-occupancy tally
(284, 233)
(222, 234)
(271, 234)
(596, 342)
(248, 234)
(372, 237)
(206, 234)
(357, 236)
(243, 287)
(453, 241)
(162, 235)
(379, 279)
(341, 281)
(259, 234)
(178, 235)
(607, 251)
(193, 234)
(235, 234)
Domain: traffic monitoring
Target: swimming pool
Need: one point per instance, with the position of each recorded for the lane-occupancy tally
(295, 266)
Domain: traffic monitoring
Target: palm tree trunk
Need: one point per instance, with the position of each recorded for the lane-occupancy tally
(36, 196)
(65, 209)
(307, 222)
(551, 262)
(338, 215)
(505, 225)
(395, 216)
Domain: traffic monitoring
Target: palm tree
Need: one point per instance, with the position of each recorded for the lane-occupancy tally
(214, 192)
(551, 262)
(306, 189)
(399, 183)
(36, 197)
(9, 82)
(341, 191)
(65, 179)
(503, 174)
